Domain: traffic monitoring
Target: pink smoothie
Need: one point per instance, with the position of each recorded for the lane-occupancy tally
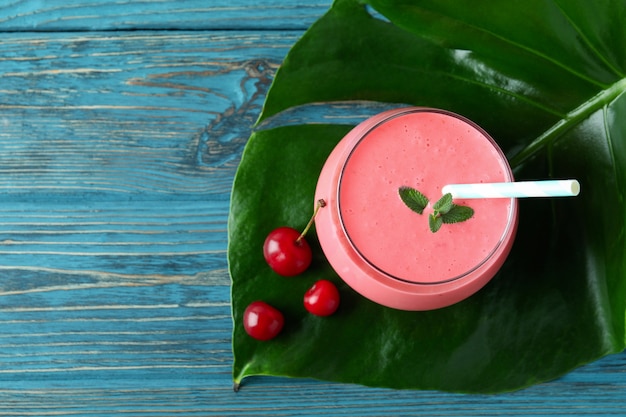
(386, 251)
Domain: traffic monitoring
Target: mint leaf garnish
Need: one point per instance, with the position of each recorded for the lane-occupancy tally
(414, 200)
(457, 214)
(443, 205)
(434, 222)
(444, 210)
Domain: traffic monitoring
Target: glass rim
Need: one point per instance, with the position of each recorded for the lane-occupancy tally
(509, 174)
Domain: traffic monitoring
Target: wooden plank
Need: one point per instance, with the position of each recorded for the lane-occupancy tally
(582, 393)
(73, 15)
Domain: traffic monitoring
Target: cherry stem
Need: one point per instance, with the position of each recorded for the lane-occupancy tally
(320, 203)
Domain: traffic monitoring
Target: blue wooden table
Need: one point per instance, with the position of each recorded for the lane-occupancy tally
(121, 127)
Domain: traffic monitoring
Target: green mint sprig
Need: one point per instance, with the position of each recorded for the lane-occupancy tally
(444, 210)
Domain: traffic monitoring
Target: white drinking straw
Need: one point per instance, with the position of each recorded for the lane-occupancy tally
(521, 189)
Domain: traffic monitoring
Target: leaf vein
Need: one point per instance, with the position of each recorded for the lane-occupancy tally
(589, 43)
(572, 119)
(527, 49)
(510, 93)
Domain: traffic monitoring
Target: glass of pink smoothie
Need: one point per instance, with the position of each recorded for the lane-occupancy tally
(384, 250)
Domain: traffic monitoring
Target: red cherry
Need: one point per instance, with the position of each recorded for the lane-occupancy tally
(262, 321)
(286, 252)
(322, 299)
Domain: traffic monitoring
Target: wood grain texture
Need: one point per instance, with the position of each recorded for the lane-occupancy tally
(71, 15)
(117, 154)
(131, 114)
